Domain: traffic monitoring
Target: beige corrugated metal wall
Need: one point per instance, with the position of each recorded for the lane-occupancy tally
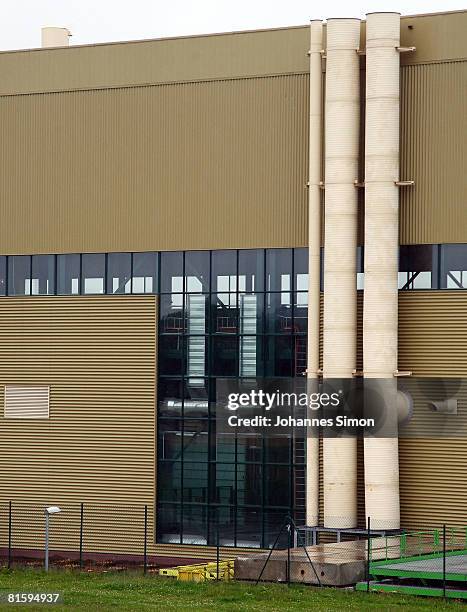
(434, 153)
(191, 166)
(433, 472)
(98, 354)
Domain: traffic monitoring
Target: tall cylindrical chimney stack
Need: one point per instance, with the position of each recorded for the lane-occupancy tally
(314, 248)
(380, 297)
(342, 128)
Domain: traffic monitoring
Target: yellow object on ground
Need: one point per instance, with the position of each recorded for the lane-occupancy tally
(201, 572)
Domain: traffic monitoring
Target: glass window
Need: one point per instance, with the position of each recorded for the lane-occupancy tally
(144, 273)
(171, 355)
(196, 314)
(249, 448)
(251, 313)
(171, 314)
(226, 355)
(222, 525)
(172, 272)
(278, 269)
(2, 275)
(224, 313)
(195, 480)
(197, 271)
(300, 269)
(196, 398)
(248, 528)
(43, 275)
(280, 356)
(249, 484)
(169, 526)
(169, 479)
(196, 358)
(453, 268)
(300, 312)
(224, 271)
(119, 273)
(279, 313)
(250, 356)
(19, 275)
(93, 273)
(223, 491)
(170, 397)
(68, 274)
(277, 485)
(277, 449)
(251, 270)
(195, 524)
(416, 267)
(273, 521)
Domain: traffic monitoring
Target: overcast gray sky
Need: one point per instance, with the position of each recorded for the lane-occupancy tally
(110, 20)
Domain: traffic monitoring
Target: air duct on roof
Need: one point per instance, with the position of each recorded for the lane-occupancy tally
(55, 37)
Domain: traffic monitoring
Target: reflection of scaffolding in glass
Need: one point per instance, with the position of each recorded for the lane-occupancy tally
(196, 348)
(248, 325)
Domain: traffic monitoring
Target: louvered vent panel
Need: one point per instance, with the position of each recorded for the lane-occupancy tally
(26, 402)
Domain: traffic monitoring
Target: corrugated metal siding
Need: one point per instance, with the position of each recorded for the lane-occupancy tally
(434, 153)
(433, 472)
(191, 58)
(98, 354)
(219, 56)
(433, 333)
(192, 166)
(433, 482)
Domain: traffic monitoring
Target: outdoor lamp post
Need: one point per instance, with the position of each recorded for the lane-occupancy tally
(48, 511)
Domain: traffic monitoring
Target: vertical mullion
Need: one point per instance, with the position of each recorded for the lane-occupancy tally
(183, 373)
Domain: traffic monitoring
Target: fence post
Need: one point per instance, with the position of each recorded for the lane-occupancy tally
(81, 533)
(217, 549)
(444, 561)
(368, 555)
(289, 545)
(10, 532)
(145, 539)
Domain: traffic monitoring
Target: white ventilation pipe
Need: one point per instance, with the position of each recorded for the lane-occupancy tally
(314, 244)
(342, 116)
(55, 37)
(381, 258)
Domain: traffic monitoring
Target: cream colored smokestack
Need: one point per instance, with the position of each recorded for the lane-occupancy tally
(342, 113)
(55, 37)
(314, 242)
(381, 257)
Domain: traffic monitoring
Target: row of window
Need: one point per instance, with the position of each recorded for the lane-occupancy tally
(227, 525)
(224, 272)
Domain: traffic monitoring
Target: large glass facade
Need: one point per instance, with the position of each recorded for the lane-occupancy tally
(227, 314)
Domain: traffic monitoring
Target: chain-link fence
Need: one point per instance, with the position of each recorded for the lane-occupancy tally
(94, 537)
(76, 535)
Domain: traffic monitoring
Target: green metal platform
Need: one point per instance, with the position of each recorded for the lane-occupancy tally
(427, 591)
(419, 563)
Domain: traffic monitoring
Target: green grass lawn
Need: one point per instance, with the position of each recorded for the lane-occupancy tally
(129, 591)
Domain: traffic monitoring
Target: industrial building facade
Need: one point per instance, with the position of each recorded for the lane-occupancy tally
(165, 212)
